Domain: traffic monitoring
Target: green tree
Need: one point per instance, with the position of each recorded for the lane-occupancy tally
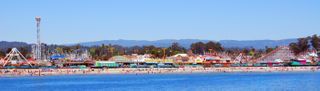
(245, 51)
(268, 49)
(24, 51)
(59, 50)
(175, 48)
(252, 52)
(215, 46)
(8, 50)
(198, 47)
(301, 46)
(78, 46)
(157, 52)
(148, 49)
(93, 52)
(315, 41)
(67, 49)
(2, 54)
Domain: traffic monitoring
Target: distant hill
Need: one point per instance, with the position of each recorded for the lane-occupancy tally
(5, 45)
(187, 42)
(167, 42)
(159, 43)
(256, 43)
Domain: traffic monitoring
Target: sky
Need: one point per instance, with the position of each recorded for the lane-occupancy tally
(73, 21)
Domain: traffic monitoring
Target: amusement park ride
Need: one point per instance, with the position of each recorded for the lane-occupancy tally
(37, 52)
(239, 58)
(14, 57)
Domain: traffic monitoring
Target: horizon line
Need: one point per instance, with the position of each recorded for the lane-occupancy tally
(150, 40)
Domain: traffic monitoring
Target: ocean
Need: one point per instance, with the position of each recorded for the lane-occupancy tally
(291, 81)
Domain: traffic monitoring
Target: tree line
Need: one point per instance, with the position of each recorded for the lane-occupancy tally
(106, 51)
(304, 44)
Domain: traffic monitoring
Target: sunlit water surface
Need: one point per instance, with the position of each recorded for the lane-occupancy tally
(302, 81)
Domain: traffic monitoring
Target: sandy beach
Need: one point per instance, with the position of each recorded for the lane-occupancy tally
(48, 72)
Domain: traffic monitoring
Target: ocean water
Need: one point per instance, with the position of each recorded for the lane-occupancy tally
(305, 81)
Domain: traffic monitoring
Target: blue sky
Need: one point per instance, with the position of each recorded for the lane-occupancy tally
(72, 21)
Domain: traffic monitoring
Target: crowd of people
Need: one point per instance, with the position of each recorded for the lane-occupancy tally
(185, 70)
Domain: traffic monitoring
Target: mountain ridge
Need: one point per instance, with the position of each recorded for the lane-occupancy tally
(260, 44)
(187, 42)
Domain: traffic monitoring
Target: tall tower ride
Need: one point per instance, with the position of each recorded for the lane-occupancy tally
(38, 45)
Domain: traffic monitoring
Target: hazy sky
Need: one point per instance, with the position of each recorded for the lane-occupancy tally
(71, 21)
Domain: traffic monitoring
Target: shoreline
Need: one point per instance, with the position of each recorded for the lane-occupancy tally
(141, 71)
